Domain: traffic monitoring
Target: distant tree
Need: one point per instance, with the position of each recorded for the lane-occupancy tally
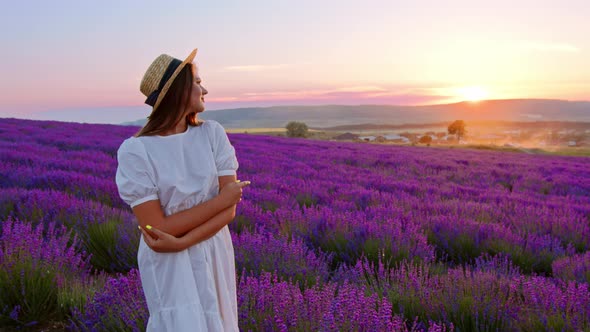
(457, 128)
(296, 129)
(426, 139)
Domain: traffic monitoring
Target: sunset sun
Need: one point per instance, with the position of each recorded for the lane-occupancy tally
(473, 93)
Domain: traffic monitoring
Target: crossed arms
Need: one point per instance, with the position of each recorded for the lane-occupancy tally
(181, 230)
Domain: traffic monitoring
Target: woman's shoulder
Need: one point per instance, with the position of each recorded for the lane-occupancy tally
(214, 128)
(132, 144)
(211, 124)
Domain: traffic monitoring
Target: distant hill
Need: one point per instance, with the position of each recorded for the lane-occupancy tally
(576, 125)
(514, 110)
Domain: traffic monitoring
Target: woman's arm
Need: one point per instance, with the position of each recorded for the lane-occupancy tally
(160, 240)
(208, 229)
(164, 242)
(150, 212)
(223, 181)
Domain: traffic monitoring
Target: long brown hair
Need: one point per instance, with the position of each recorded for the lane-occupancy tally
(175, 102)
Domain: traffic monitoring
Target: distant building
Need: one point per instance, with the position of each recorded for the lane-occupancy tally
(396, 138)
(367, 138)
(448, 138)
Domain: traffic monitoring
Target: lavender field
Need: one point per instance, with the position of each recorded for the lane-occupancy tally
(328, 237)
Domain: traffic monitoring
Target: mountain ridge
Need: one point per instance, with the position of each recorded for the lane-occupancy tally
(515, 110)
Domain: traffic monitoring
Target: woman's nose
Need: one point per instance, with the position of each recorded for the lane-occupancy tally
(204, 91)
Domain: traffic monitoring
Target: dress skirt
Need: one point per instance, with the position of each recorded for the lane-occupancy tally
(191, 290)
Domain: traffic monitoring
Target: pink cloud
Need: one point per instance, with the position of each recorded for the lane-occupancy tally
(343, 95)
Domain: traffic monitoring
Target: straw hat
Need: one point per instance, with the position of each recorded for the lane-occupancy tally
(159, 77)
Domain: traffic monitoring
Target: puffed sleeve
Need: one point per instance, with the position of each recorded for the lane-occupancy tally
(134, 177)
(224, 152)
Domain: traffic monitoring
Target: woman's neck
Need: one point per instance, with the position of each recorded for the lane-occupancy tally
(180, 128)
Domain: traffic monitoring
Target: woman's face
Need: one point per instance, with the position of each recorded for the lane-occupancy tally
(198, 92)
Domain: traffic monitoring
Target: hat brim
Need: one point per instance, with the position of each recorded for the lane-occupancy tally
(188, 59)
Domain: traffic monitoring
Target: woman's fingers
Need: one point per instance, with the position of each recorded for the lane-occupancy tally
(148, 238)
(159, 233)
(144, 232)
(160, 241)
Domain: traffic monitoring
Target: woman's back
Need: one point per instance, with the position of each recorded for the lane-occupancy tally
(193, 289)
(184, 168)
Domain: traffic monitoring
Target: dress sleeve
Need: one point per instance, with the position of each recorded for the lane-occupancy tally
(134, 177)
(224, 152)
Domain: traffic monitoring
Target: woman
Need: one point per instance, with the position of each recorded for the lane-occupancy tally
(178, 174)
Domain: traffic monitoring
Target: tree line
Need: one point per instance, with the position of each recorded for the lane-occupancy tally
(300, 129)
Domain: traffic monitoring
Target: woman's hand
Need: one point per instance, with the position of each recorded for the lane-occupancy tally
(164, 241)
(232, 192)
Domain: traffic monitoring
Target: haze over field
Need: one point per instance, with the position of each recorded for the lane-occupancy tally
(337, 115)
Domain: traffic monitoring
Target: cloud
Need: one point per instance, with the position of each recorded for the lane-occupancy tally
(361, 89)
(222, 99)
(550, 47)
(318, 92)
(351, 95)
(251, 68)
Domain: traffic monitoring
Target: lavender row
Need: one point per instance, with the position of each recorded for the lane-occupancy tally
(461, 185)
(490, 297)
(108, 233)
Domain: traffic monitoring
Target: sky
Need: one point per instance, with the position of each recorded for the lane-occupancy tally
(83, 60)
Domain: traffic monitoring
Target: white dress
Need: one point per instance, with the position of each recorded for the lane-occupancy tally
(194, 289)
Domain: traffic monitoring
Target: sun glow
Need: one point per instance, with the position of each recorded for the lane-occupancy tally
(473, 93)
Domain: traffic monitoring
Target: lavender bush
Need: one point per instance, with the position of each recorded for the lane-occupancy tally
(575, 267)
(35, 263)
(119, 306)
(288, 258)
